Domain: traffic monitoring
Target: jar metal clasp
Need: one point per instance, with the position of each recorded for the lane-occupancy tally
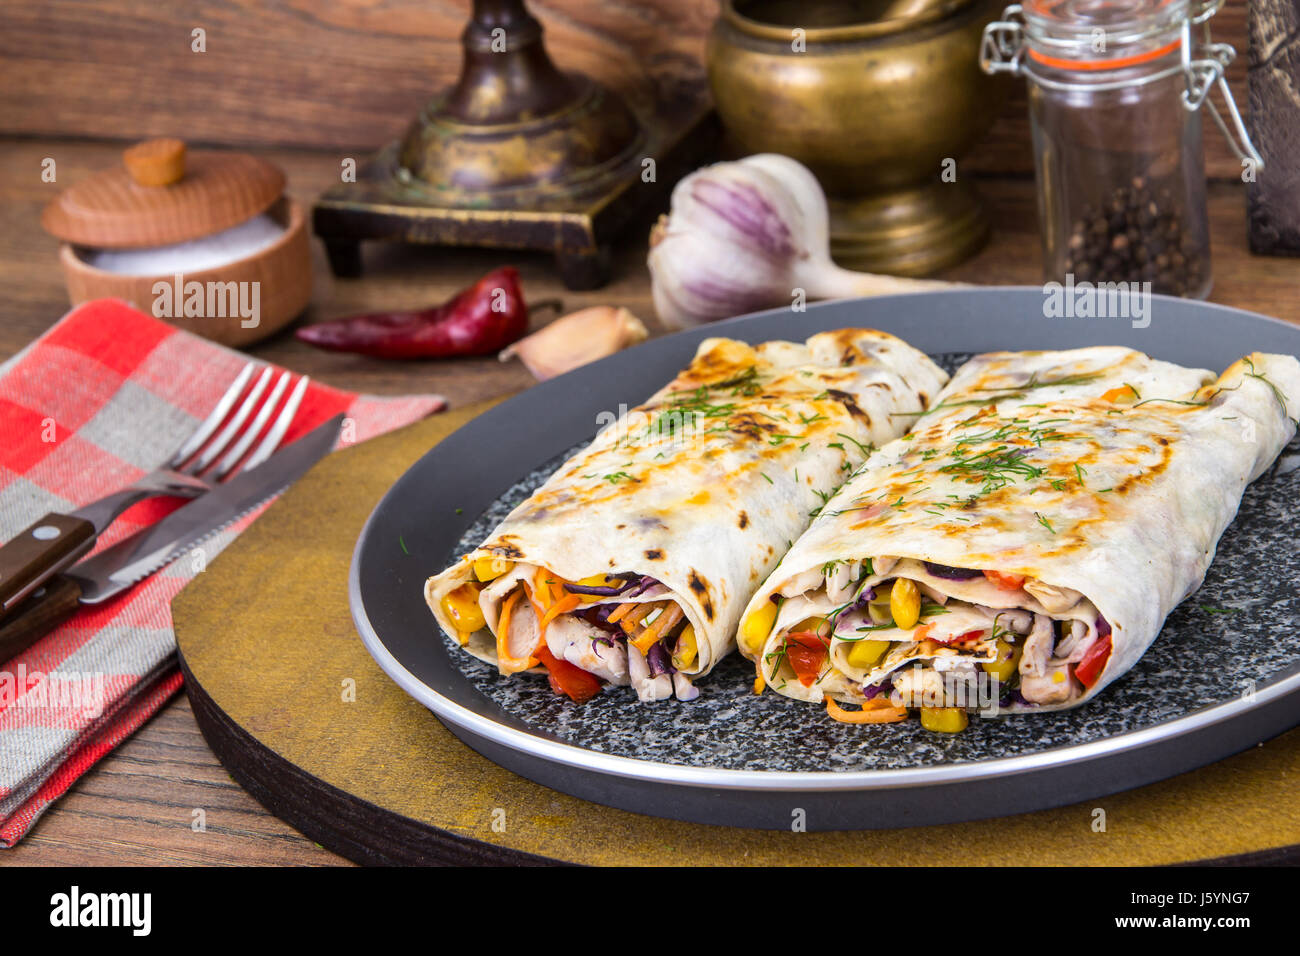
(1004, 42)
(1207, 72)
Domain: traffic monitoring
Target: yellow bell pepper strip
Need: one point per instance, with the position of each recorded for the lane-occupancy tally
(878, 710)
(490, 568)
(864, 654)
(905, 603)
(944, 720)
(1008, 660)
(758, 626)
(687, 650)
(461, 605)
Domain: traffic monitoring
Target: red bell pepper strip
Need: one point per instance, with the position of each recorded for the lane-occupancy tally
(480, 320)
(807, 653)
(1094, 661)
(1006, 581)
(566, 678)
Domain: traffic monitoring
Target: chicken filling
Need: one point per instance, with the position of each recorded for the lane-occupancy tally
(623, 629)
(898, 635)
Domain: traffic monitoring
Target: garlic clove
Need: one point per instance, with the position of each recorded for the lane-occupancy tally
(576, 339)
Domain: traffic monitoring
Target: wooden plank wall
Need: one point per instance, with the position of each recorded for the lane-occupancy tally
(348, 74)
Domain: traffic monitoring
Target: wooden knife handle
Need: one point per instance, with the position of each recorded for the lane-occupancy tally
(46, 547)
(45, 609)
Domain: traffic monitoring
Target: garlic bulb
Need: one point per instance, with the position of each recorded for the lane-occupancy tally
(748, 235)
(576, 339)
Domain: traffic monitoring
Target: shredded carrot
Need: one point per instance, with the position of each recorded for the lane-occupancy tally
(563, 606)
(669, 617)
(874, 711)
(921, 633)
(541, 589)
(505, 663)
(620, 612)
(634, 618)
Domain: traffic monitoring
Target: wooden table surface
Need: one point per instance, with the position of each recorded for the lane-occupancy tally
(135, 806)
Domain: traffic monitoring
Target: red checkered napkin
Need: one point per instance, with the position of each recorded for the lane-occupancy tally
(104, 397)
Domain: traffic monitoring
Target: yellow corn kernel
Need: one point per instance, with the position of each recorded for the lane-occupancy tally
(461, 605)
(864, 654)
(686, 651)
(944, 720)
(905, 603)
(813, 625)
(596, 581)
(884, 591)
(758, 625)
(490, 568)
(1007, 663)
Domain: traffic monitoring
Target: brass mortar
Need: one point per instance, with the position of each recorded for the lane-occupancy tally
(881, 97)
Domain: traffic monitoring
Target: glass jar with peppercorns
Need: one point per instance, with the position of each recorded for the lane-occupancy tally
(1115, 95)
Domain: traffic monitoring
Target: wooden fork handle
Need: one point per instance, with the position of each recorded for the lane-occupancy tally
(43, 549)
(45, 609)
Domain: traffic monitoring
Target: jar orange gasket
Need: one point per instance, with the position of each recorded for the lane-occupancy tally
(1115, 64)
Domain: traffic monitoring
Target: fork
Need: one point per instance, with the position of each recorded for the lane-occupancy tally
(210, 455)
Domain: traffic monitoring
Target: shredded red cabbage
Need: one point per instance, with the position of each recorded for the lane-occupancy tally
(1103, 627)
(599, 590)
(886, 686)
(950, 574)
(658, 660)
(645, 584)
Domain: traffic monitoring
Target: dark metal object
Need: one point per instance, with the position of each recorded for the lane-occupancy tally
(1056, 758)
(517, 155)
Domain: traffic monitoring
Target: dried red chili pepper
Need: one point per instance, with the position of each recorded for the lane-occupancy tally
(480, 320)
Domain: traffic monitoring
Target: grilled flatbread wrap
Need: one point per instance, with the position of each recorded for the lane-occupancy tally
(632, 563)
(1022, 546)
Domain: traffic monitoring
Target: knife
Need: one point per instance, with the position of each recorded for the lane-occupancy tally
(109, 573)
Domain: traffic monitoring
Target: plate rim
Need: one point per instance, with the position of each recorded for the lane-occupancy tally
(775, 781)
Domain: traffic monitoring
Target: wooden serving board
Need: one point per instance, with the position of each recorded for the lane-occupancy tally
(269, 655)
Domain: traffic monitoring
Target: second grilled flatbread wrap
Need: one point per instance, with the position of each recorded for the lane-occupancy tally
(639, 553)
(1038, 525)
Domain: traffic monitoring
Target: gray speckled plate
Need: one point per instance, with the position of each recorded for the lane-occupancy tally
(1224, 674)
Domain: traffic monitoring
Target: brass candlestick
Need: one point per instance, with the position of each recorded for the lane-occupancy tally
(515, 155)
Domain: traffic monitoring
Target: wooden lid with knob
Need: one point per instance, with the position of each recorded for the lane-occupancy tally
(163, 194)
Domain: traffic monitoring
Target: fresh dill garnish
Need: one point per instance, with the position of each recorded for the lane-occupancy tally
(403, 544)
(1219, 610)
(1255, 373)
(769, 480)
(1044, 522)
(864, 450)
